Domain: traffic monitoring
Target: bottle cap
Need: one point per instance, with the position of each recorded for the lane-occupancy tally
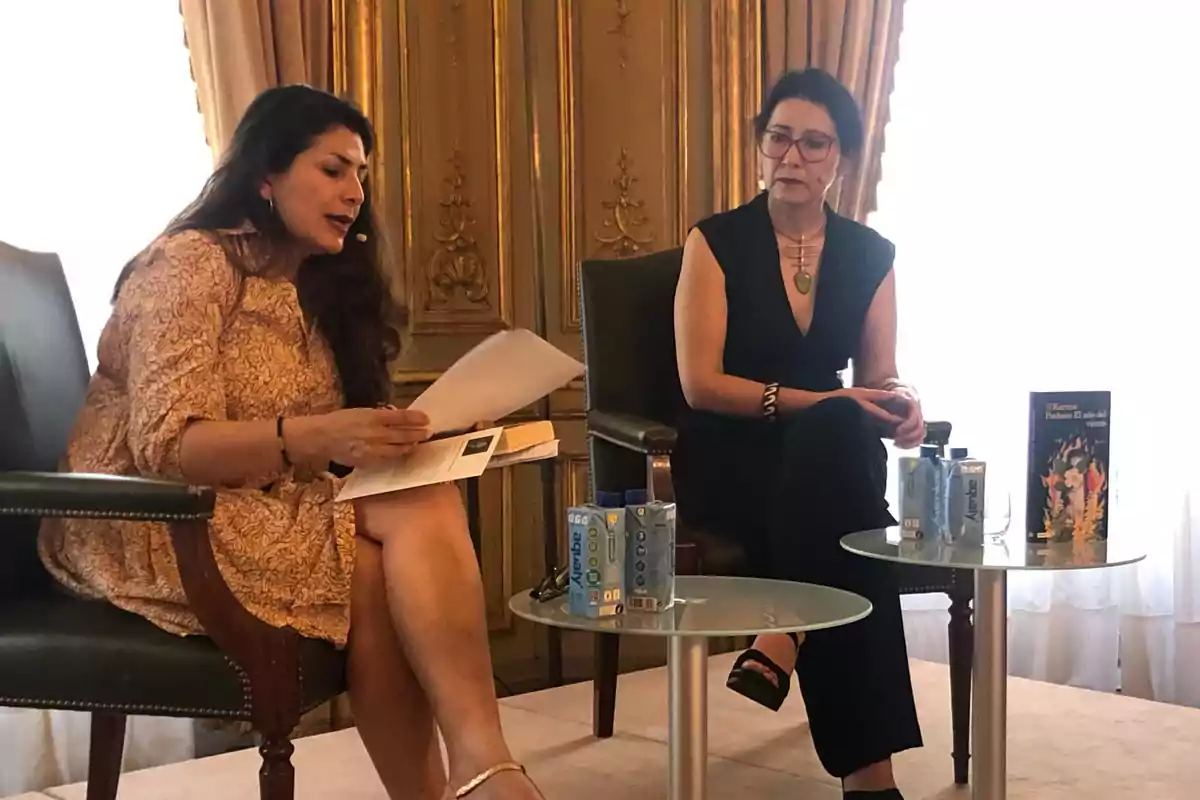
(635, 497)
(608, 499)
(929, 451)
(958, 452)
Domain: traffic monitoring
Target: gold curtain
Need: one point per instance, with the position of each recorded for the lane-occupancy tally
(857, 41)
(238, 48)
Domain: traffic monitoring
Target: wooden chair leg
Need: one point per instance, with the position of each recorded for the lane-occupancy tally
(962, 646)
(604, 684)
(268, 657)
(277, 778)
(104, 755)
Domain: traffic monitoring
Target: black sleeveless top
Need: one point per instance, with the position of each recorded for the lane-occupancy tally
(762, 341)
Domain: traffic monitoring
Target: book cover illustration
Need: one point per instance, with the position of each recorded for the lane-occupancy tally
(1068, 467)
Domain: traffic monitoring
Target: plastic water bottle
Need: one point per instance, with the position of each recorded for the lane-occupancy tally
(964, 497)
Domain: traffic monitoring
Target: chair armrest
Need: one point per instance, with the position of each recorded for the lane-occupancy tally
(52, 494)
(268, 656)
(632, 432)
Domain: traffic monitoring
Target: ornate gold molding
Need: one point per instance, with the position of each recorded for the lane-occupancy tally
(564, 18)
(461, 286)
(457, 265)
(501, 74)
(683, 166)
(736, 43)
(357, 75)
(629, 221)
(455, 38)
(625, 214)
(621, 31)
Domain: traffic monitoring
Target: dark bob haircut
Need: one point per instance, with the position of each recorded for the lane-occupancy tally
(818, 86)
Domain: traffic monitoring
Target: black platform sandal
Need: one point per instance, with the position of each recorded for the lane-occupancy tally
(753, 684)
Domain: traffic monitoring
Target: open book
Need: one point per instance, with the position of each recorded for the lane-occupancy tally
(454, 458)
(500, 376)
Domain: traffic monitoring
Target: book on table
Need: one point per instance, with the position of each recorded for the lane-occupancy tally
(1068, 468)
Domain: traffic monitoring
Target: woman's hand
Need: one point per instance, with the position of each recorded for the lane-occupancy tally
(875, 402)
(356, 437)
(911, 430)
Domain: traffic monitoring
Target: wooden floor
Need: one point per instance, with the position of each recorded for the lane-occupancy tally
(1063, 743)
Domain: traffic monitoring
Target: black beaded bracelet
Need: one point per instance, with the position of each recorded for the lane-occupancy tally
(287, 462)
(770, 402)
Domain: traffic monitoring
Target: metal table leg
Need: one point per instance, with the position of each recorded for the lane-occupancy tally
(990, 683)
(687, 732)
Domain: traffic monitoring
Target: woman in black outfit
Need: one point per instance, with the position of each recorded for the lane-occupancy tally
(774, 299)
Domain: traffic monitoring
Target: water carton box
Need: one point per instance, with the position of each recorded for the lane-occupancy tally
(912, 498)
(597, 539)
(923, 495)
(649, 555)
(965, 500)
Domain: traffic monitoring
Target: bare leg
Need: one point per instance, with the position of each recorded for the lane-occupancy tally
(390, 708)
(875, 778)
(436, 599)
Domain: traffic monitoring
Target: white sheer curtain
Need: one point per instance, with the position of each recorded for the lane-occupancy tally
(101, 143)
(1040, 182)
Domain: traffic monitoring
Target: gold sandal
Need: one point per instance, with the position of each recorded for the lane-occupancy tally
(488, 774)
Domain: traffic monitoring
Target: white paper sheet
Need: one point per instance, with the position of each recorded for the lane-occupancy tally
(501, 375)
(437, 461)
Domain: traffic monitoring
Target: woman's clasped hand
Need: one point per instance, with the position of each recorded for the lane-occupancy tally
(897, 410)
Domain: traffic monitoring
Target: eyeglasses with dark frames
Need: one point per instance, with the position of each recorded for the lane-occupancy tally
(813, 146)
(553, 585)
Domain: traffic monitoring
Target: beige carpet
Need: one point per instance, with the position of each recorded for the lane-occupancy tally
(1063, 743)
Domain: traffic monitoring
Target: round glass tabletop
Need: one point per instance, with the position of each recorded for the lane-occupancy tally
(997, 553)
(714, 606)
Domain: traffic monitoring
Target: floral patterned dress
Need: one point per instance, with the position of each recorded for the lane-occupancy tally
(193, 338)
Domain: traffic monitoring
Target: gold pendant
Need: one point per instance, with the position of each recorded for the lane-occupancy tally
(802, 281)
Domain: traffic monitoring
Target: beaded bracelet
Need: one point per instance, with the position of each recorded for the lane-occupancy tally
(770, 401)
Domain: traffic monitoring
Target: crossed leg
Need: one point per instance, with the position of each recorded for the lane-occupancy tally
(434, 597)
(393, 715)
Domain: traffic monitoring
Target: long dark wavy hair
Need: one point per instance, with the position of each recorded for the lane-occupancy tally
(344, 293)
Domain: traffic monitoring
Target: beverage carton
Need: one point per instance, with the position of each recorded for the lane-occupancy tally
(649, 553)
(597, 538)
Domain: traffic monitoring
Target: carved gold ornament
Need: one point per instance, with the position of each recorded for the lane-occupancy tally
(456, 266)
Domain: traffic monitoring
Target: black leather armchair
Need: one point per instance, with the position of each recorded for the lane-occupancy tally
(633, 399)
(59, 652)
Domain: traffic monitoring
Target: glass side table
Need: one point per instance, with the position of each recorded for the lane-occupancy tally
(990, 562)
(706, 607)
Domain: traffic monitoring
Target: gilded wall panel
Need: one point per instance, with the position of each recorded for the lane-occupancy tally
(517, 138)
(623, 142)
(455, 60)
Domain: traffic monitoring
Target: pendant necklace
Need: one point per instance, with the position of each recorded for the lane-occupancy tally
(805, 254)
